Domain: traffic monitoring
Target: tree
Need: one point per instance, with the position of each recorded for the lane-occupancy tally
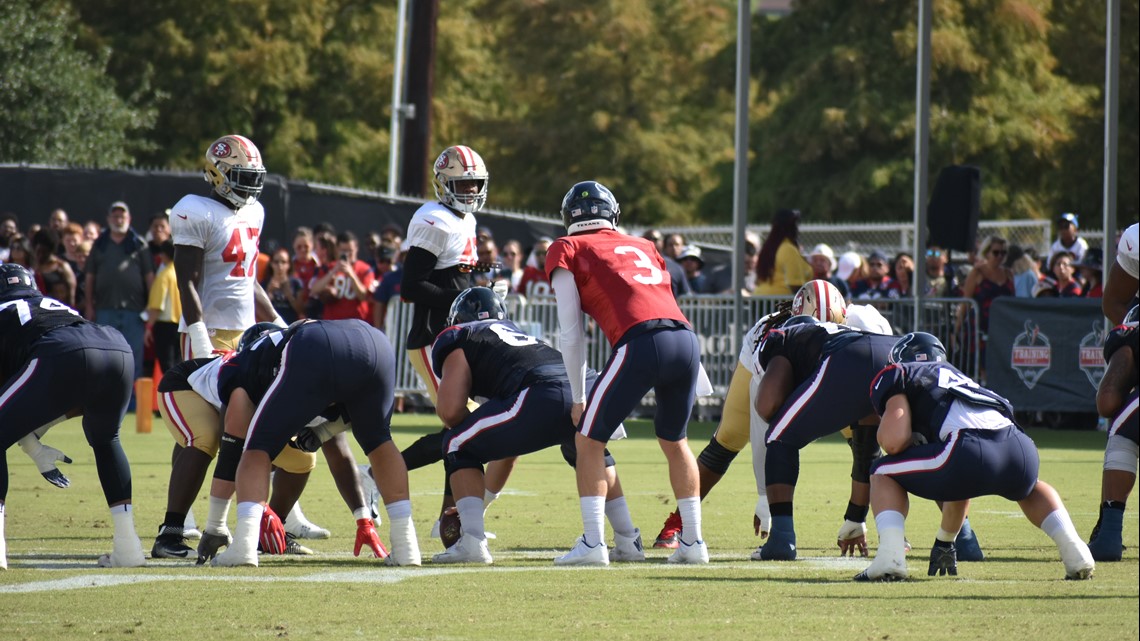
(834, 126)
(56, 106)
(611, 91)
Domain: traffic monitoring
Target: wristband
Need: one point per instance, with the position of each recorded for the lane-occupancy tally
(856, 513)
(200, 344)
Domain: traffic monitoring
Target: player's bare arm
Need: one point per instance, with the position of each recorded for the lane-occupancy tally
(454, 389)
(894, 431)
(774, 387)
(1119, 289)
(262, 307)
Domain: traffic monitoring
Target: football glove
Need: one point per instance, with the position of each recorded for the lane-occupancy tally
(501, 287)
(852, 536)
(272, 535)
(210, 544)
(306, 440)
(45, 458)
(366, 534)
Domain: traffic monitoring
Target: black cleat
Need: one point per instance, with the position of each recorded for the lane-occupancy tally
(169, 544)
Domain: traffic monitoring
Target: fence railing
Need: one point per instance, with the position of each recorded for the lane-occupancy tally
(953, 320)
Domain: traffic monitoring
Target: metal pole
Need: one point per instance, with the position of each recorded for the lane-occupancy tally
(397, 98)
(740, 164)
(921, 155)
(1111, 127)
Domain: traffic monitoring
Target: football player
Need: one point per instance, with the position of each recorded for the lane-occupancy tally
(216, 241)
(1122, 282)
(484, 354)
(948, 439)
(441, 256)
(1116, 400)
(274, 387)
(50, 357)
(805, 361)
(739, 420)
(189, 401)
(621, 282)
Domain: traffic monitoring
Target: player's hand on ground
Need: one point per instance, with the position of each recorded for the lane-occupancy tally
(45, 458)
(366, 535)
(272, 532)
(852, 536)
(210, 544)
(762, 518)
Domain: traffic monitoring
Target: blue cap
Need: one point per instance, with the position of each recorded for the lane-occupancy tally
(1070, 218)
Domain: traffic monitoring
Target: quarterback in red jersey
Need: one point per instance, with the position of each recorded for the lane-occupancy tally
(621, 281)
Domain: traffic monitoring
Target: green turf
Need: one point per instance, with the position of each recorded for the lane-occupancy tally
(54, 591)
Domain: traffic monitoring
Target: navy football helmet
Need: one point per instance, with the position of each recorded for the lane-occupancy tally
(918, 347)
(254, 332)
(476, 304)
(1133, 316)
(589, 206)
(16, 282)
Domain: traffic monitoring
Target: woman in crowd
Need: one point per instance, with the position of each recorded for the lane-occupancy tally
(988, 280)
(284, 289)
(54, 276)
(780, 268)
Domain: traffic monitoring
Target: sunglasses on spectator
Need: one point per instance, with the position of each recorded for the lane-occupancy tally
(933, 253)
(999, 252)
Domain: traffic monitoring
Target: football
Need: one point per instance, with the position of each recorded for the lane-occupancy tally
(449, 527)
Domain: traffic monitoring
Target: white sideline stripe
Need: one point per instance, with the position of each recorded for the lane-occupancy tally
(105, 579)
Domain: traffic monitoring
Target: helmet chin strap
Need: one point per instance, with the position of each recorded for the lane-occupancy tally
(594, 224)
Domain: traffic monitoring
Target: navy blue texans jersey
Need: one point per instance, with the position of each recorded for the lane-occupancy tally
(503, 359)
(254, 368)
(1122, 336)
(804, 345)
(930, 388)
(23, 322)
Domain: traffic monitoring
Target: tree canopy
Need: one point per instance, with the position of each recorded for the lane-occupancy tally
(637, 94)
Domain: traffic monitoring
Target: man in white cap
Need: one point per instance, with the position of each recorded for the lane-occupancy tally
(823, 264)
(850, 269)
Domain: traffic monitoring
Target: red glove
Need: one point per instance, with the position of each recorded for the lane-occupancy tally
(366, 533)
(272, 532)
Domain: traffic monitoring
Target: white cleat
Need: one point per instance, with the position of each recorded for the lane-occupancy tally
(884, 567)
(300, 527)
(755, 556)
(582, 554)
(690, 553)
(628, 549)
(124, 554)
(232, 557)
(465, 550)
(1079, 564)
(404, 548)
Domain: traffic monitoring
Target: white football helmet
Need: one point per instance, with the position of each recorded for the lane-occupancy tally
(460, 163)
(233, 166)
(822, 301)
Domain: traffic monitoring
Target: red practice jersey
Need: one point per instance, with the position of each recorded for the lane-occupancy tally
(622, 280)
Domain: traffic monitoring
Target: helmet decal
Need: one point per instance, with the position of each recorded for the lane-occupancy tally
(222, 149)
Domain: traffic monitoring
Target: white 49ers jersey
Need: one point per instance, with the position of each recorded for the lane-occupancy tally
(1128, 251)
(444, 233)
(229, 241)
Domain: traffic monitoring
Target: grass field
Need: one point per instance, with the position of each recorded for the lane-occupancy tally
(53, 589)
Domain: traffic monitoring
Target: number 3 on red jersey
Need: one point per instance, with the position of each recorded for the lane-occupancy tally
(653, 277)
(235, 252)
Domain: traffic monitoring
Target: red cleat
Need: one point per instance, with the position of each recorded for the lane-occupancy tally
(670, 533)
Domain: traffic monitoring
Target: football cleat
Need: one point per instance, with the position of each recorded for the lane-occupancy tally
(582, 554)
(943, 561)
(780, 546)
(1107, 541)
(232, 557)
(126, 552)
(404, 549)
(300, 527)
(884, 568)
(465, 550)
(690, 554)
(293, 546)
(170, 544)
(627, 549)
(1079, 563)
(966, 543)
(670, 533)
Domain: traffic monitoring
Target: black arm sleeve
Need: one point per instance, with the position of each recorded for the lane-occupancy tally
(416, 287)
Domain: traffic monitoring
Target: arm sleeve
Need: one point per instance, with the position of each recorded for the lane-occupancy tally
(416, 288)
(572, 340)
(887, 383)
